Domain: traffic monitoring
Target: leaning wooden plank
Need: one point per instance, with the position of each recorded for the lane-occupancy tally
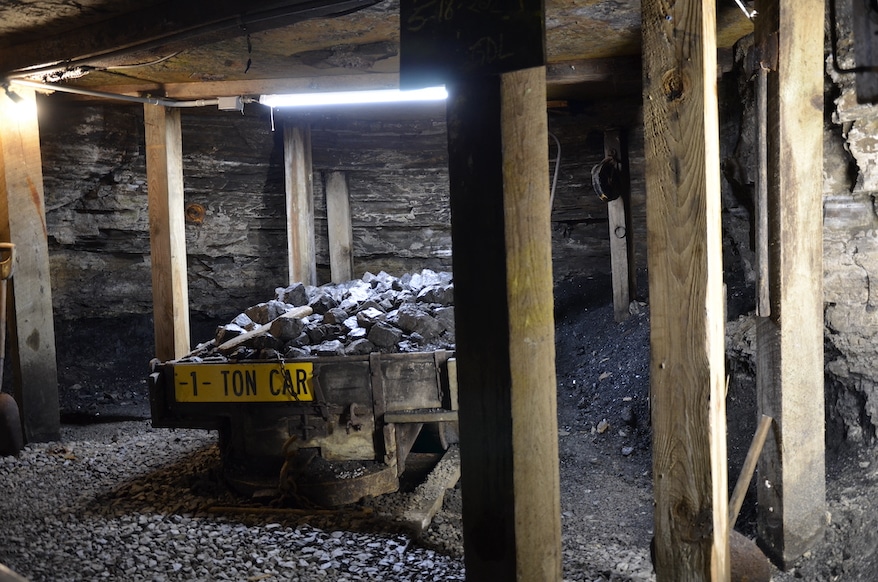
(297, 312)
(427, 498)
(737, 498)
(684, 250)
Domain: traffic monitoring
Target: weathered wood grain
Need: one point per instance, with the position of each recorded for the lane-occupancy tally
(687, 395)
(23, 222)
(499, 200)
(299, 186)
(789, 365)
(167, 234)
(340, 235)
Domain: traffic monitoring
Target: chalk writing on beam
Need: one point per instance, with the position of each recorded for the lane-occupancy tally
(488, 50)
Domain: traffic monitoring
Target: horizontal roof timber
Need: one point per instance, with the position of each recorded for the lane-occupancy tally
(171, 26)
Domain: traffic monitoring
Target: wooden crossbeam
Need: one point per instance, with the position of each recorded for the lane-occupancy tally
(23, 222)
(681, 137)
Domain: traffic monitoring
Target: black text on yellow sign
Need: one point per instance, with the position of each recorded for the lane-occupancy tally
(244, 382)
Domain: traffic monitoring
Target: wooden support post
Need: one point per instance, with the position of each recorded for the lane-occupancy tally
(300, 204)
(498, 161)
(681, 137)
(23, 222)
(791, 488)
(167, 231)
(621, 241)
(338, 215)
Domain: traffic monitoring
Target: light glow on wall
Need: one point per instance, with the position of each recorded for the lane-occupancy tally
(353, 97)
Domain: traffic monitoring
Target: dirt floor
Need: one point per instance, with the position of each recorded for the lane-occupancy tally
(604, 436)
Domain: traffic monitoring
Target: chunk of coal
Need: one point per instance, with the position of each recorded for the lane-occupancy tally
(295, 294)
(286, 328)
(359, 347)
(384, 335)
(369, 317)
(441, 294)
(266, 341)
(412, 319)
(325, 332)
(262, 313)
(322, 303)
(628, 416)
(244, 321)
(297, 352)
(357, 333)
(335, 315)
(445, 316)
(226, 332)
(329, 348)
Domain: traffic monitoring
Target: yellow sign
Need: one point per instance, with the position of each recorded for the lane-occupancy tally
(262, 382)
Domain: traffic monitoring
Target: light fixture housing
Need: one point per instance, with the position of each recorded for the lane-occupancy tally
(353, 97)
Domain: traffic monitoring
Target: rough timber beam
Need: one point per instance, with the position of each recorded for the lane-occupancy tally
(684, 249)
(789, 368)
(167, 231)
(23, 222)
(299, 187)
(498, 161)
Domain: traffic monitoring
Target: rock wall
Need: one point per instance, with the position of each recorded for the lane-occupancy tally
(850, 248)
(97, 216)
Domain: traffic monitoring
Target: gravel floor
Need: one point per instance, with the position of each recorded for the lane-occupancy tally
(127, 502)
(124, 501)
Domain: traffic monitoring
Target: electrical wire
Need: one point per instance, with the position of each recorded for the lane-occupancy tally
(750, 14)
(131, 98)
(138, 65)
(557, 166)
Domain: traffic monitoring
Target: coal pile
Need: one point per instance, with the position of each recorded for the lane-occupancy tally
(378, 313)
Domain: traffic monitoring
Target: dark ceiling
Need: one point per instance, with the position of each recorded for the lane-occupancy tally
(194, 49)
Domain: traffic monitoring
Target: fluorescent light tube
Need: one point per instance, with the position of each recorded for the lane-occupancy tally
(353, 97)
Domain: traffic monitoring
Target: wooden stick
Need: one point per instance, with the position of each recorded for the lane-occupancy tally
(747, 470)
(297, 312)
(763, 304)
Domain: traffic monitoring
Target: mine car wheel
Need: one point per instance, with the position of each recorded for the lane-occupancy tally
(449, 434)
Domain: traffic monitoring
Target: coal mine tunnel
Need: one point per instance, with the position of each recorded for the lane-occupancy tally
(357, 290)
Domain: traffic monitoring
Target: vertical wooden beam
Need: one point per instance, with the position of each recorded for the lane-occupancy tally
(681, 133)
(167, 231)
(300, 204)
(23, 222)
(498, 160)
(791, 487)
(338, 215)
(621, 245)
